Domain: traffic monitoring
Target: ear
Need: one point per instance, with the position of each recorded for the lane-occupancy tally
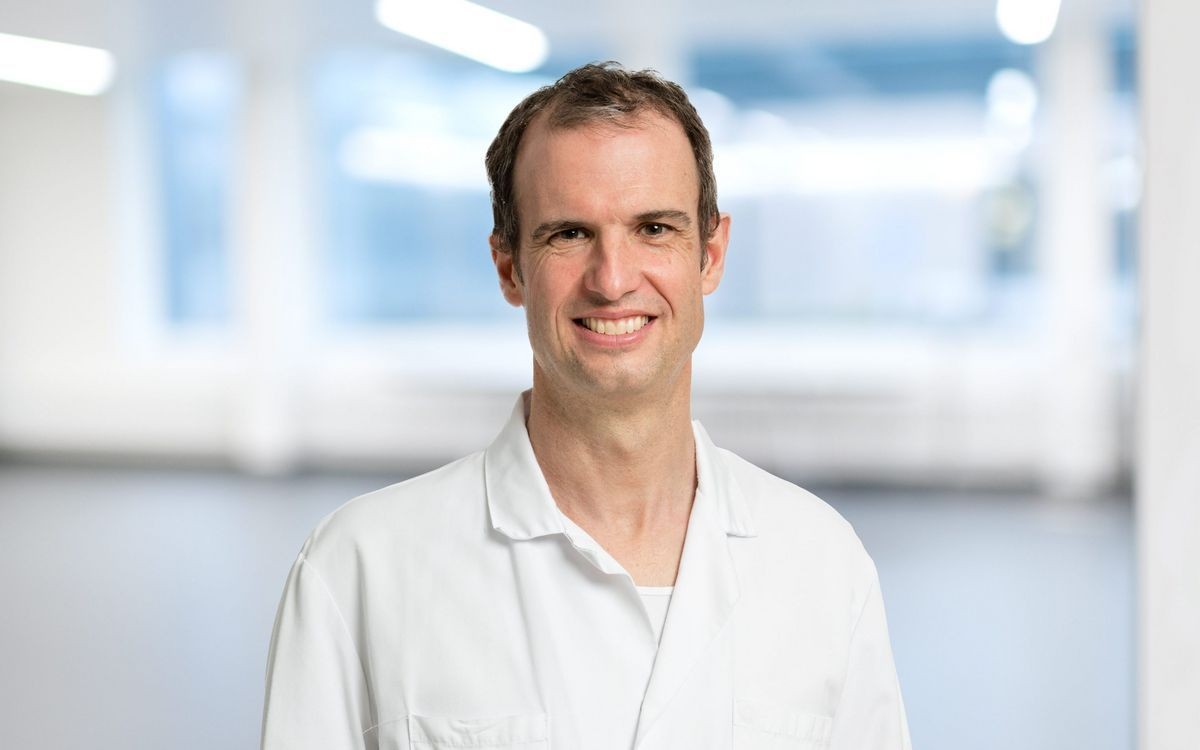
(510, 283)
(714, 247)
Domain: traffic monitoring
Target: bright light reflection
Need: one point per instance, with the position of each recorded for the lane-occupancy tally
(470, 30)
(411, 157)
(55, 65)
(1012, 97)
(1027, 21)
(1012, 101)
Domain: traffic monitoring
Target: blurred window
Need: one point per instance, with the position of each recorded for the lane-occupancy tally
(196, 98)
(868, 181)
(401, 144)
(1124, 175)
(881, 181)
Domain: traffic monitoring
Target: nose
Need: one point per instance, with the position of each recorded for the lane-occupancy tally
(612, 270)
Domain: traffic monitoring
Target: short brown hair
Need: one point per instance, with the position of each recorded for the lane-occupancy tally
(596, 92)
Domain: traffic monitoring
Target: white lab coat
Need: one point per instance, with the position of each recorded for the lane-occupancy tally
(459, 610)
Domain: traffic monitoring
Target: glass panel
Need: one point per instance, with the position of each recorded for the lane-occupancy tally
(197, 95)
(401, 144)
(888, 181)
(873, 182)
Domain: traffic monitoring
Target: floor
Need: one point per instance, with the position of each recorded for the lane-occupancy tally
(137, 606)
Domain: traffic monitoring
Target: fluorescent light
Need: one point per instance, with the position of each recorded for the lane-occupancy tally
(55, 65)
(1027, 21)
(470, 30)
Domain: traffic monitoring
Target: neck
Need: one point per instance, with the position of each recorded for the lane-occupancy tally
(626, 464)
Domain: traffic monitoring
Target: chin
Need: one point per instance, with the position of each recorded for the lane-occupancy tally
(621, 384)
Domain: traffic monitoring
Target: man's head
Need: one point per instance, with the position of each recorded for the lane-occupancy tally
(594, 94)
(607, 232)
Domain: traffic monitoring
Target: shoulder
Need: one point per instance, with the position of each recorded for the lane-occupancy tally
(774, 498)
(396, 517)
(791, 518)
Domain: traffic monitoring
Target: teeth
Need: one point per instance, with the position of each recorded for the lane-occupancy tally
(616, 327)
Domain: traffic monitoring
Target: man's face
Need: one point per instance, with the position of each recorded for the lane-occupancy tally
(610, 253)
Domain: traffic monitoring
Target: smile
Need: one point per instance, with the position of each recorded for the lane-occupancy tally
(617, 327)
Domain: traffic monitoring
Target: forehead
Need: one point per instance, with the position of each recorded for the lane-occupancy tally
(641, 164)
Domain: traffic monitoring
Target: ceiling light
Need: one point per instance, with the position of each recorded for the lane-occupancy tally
(1027, 21)
(470, 30)
(55, 65)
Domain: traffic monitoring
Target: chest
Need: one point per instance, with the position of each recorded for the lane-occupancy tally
(543, 649)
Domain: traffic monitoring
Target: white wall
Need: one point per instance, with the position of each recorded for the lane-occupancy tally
(76, 373)
(1168, 491)
(56, 292)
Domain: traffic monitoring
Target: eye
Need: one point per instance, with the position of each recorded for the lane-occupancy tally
(569, 235)
(655, 229)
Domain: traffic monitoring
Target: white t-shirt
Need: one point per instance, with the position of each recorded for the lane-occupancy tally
(656, 599)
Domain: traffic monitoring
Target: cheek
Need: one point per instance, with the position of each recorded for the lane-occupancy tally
(553, 282)
(544, 297)
(678, 280)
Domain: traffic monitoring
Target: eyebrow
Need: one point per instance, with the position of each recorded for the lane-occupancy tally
(679, 218)
(550, 227)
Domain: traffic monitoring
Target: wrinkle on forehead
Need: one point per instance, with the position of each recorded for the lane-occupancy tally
(637, 167)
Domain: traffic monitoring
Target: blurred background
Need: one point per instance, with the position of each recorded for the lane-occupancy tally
(244, 277)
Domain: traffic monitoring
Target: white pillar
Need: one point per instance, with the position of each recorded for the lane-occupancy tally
(1168, 487)
(272, 237)
(1076, 246)
(136, 196)
(650, 35)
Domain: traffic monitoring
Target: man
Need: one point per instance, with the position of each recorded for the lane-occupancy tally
(601, 576)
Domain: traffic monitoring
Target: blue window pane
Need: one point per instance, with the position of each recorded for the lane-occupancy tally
(867, 182)
(879, 181)
(879, 68)
(401, 143)
(196, 96)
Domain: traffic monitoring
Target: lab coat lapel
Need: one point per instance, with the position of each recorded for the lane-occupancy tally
(706, 589)
(519, 501)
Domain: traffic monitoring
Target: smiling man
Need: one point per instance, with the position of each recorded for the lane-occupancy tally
(602, 576)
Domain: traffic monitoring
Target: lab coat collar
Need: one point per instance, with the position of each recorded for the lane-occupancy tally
(518, 497)
(716, 481)
(521, 506)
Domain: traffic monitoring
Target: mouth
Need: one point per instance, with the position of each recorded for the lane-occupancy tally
(615, 327)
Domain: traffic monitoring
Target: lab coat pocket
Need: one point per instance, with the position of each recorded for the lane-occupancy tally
(526, 732)
(763, 726)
